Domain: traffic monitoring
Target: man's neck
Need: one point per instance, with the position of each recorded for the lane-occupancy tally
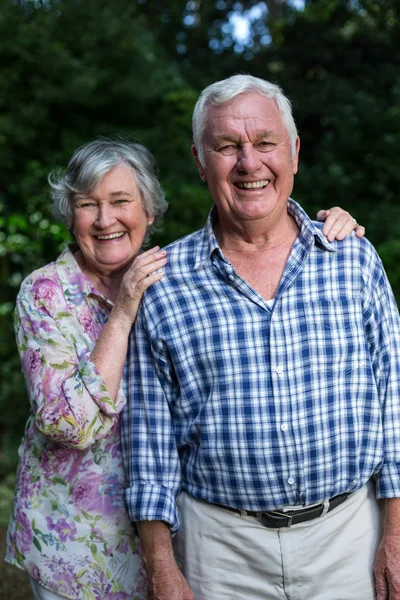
(257, 236)
(259, 257)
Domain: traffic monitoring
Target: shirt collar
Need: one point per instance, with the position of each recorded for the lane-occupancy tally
(208, 242)
(310, 232)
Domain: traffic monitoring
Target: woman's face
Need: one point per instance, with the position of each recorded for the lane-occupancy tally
(110, 223)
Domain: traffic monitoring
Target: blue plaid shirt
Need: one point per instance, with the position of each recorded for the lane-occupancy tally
(261, 408)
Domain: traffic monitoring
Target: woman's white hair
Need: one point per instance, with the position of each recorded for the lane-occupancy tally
(91, 162)
(223, 91)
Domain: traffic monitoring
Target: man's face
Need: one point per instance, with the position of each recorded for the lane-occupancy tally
(248, 165)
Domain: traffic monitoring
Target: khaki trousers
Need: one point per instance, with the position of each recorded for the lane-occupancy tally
(225, 556)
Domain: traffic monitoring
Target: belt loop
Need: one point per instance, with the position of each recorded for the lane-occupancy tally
(326, 508)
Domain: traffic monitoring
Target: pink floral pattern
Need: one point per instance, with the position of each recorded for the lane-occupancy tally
(69, 529)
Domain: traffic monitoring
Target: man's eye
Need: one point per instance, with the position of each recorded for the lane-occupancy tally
(228, 149)
(263, 146)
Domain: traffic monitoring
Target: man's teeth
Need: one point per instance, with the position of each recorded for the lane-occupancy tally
(252, 185)
(110, 236)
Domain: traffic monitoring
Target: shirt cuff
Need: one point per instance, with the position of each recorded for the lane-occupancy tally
(388, 481)
(152, 502)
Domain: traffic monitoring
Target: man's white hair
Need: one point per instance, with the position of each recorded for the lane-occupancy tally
(221, 92)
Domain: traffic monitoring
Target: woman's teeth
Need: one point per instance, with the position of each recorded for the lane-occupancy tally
(110, 236)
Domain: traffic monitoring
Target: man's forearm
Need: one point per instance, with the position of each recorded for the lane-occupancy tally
(392, 516)
(164, 579)
(155, 539)
(387, 563)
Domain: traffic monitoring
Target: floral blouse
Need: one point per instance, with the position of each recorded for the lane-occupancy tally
(69, 528)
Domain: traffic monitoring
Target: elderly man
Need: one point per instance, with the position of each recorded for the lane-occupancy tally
(264, 386)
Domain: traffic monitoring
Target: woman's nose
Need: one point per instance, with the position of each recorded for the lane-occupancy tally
(104, 217)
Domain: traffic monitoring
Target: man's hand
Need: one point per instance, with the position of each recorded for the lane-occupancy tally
(166, 582)
(387, 568)
(339, 224)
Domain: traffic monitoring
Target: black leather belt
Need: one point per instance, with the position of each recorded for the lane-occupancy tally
(275, 519)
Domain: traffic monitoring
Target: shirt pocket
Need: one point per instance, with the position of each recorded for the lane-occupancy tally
(336, 342)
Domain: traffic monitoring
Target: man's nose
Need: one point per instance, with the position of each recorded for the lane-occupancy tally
(248, 160)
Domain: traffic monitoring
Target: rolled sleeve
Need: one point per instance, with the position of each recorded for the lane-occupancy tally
(147, 502)
(387, 482)
(96, 387)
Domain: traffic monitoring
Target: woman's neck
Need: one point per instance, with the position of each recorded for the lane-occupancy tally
(107, 283)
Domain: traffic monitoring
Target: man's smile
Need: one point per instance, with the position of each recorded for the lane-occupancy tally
(252, 185)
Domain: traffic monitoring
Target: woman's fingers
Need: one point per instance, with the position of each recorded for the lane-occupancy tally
(335, 224)
(360, 231)
(144, 271)
(149, 257)
(339, 224)
(144, 268)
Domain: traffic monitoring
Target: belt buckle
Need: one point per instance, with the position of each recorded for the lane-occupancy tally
(280, 514)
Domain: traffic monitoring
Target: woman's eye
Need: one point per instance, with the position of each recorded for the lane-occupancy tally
(121, 201)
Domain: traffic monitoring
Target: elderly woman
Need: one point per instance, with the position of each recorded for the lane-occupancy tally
(69, 529)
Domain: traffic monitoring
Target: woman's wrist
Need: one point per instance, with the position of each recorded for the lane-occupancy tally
(121, 317)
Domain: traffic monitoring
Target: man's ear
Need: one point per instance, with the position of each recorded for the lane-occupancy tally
(200, 168)
(295, 158)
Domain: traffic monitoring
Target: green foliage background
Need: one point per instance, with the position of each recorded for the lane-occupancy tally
(72, 70)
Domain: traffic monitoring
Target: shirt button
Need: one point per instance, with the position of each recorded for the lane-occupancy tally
(279, 370)
(231, 278)
(290, 481)
(284, 427)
